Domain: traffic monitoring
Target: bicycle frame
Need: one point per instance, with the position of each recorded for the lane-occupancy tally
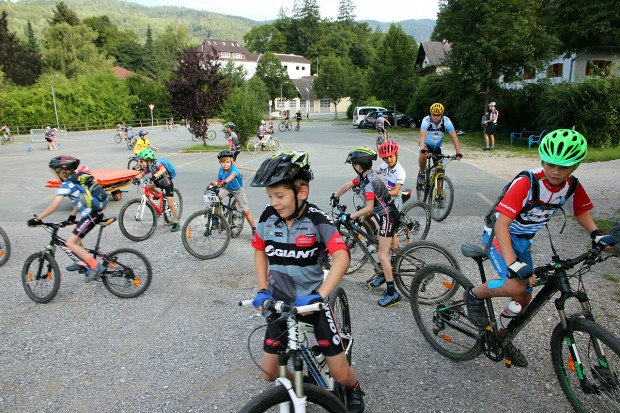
(58, 241)
(150, 196)
(434, 170)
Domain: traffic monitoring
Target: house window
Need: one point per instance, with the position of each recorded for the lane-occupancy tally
(527, 75)
(303, 68)
(598, 68)
(237, 55)
(324, 103)
(286, 67)
(296, 67)
(224, 54)
(555, 70)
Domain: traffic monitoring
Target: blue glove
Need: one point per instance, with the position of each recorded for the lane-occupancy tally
(599, 239)
(308, 299)
(520, 270)
(261, 297)
(345, 217)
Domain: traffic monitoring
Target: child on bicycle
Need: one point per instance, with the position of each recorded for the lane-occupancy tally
(233, 141)
(64, 167)
(263, 133)
(160, 178)
(229, 177)
(516, 219)
(292, 233)
(143, 143)
(379, 202)
(432, 130)
(380, 125)
(50, 138)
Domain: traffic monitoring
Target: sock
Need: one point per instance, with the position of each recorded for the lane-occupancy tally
(176, 221)
(92, 263)
(355, 386)
(391, 290)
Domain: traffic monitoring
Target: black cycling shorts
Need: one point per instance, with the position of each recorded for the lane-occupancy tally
(388, 223)
(325, 330)
(87, 223)
(165, 184)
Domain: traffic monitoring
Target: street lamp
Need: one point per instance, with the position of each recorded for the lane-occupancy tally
(54, 100)
(282, 84)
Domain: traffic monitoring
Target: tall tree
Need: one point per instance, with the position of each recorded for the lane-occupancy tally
(18, 64)
(493, 37)
(197, 88)
(31, 41)
(275, 76)
(346, 12)
(308, 21)
(258, 38)
(63, 14)
(333, 82)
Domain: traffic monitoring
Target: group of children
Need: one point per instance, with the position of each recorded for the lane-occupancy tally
(300, 229)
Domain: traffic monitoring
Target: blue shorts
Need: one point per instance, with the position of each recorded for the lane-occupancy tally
(521, 249)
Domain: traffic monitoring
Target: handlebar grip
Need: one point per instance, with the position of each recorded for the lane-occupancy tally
(246, 303)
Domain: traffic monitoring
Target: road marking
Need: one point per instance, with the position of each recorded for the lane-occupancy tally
(485, 199)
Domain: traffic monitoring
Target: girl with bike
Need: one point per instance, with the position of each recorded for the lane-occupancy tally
(379, 202)
(291, 236)
(516, 219)
(64, 167)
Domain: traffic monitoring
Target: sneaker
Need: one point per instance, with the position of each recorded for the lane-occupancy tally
(355, 400)
(378, 281)
(492, 147)
(74, 267)
(175, 227)
(486, 149)
(476, 312)
(389, 300)
(92, 274)
(513, 356)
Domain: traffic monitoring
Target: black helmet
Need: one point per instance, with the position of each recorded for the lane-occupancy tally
(68, 163)
(225, 153)
(362, 154)
(283, 167)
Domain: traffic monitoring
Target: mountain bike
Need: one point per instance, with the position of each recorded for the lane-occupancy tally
(298, 126)
(285, 125)
(129, 137)
(137, 218)
(585, 356)
(208, 136)
(206, 233)
(169, 126)
(313, 389)
(362, 242)
(254, 144)
(6, 137)
(5, 247)
(128, 272)
(134, 162)
(381, 138)
(437, 190)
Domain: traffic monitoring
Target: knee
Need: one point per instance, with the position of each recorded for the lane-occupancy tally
(344, 376)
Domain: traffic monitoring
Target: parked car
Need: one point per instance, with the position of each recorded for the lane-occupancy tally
(359, 112)
(405, 121)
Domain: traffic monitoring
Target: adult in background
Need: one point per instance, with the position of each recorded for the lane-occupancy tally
(489, 126)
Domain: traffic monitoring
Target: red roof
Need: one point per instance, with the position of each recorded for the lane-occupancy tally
(122, 73)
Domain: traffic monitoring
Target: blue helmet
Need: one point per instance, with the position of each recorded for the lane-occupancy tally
(379, 114)
(142, 133)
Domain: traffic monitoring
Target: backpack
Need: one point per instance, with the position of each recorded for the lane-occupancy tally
(95, 196)
(490, 218)
(172, 171)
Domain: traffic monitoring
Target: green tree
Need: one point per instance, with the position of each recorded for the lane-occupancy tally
(308, 19)
(494, 37)
(333, 81)
(346, 12)
(393, 74)
(167, 47)
(148, 92)
(258, 38)
(31, 41)
(244, 109)
(63, 14)
(18, 64)
(234, 73)
(275, 77)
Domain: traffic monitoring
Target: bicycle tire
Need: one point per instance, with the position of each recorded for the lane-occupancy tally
(318, 400)
(289, 126)
(5, 247)
(281, 127)
(437, 305)
(41, 288)
(178, 199)
(297, 128)
(358, 257)
(235, 219)
(196, 138)
(203, 238)
(118, 138)
(273, 144)
(133, 163)
(380, 140)
(615, 232)
(440, 210)
(128, 272)
(131, 143)
(415, 256)
(211, 135)
(415, 222)
(253, 145)
(602, 373)
(134, 222)
(339, 304)
(11, 140)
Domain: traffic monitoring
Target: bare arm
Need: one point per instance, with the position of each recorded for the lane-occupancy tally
(586, 221)
(502, 234)
(455, 139)
(370, 203)
(344, 188)
(340, 263)
(52, 207)
(261, 265)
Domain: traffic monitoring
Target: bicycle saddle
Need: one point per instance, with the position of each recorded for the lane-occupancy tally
(473, 251)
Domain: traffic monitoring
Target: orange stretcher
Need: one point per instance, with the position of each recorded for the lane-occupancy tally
(111, 180)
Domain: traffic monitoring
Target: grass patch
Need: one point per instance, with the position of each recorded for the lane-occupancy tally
(199, 147)
(605, 224)
(611, 277)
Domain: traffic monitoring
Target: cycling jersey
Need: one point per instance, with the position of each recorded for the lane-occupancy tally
(380, 122)
(232, 137)
(294, 254)
(434, 133)
(375, 189)
(393, 177)
(298, 116)
(72, 190)
(141, 144)
(261, 131)
(236, 183)
(527, 222)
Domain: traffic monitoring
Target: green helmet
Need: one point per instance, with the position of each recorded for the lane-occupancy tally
(147, 154)
(564, 147)
(362, 154)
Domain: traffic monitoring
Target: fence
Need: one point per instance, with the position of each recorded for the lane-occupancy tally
(38, 135)
(85, 126)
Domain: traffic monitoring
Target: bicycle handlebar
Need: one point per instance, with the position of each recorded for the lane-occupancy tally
(558, 264)
(282, 307)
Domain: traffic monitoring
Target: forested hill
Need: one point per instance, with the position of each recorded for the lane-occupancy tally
(127, 15)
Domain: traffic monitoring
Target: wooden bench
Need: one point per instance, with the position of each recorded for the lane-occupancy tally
(529, 135)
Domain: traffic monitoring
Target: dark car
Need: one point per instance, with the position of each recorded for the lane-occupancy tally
(403, 120)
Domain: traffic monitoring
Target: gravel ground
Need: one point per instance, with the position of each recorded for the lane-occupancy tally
(182, 346)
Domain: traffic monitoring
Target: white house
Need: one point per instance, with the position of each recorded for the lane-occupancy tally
(230, 51)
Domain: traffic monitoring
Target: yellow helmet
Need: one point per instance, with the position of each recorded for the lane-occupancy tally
(437, 109)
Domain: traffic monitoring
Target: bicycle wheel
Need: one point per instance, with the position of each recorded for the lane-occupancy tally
(253, 145)
(5, 247)
(415, 222)
(235, 219)
(196, 138)
(133, 163)
(598, 362)
(358, 257)
(205, 235)
(11, 140)
(297, 128)
(414, 257)
(136, 220)
(439, 311)
(118, 138)
(128, 273)
(178, 201)
(289, 126)
(211, 135)
(282, 127)
(318, 399)
(274, 144)
(380, 140)
(615, 232)
(339, 304)
(130, 143)
(41, 277)
(440, 202)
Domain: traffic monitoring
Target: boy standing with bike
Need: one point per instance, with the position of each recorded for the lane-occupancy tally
(233, 140)
(64, 167)
(292, 233)
(379, 202)
(527, 206)
(230, 177)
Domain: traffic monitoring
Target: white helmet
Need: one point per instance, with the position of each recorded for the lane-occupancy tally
(262, 122)
(491, 104)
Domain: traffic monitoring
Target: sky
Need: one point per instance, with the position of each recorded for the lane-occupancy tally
(260, 10)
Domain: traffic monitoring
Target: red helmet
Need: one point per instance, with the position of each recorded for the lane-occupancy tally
(387, 148)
